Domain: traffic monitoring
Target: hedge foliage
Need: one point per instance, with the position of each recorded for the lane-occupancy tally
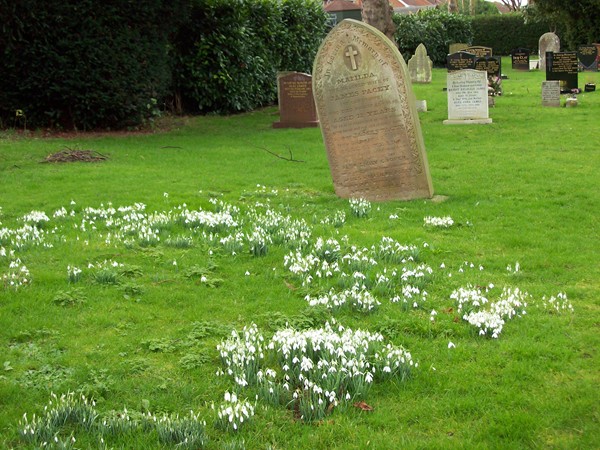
(435, 28)
(81, 63)
(508, 31)
(86, 64)
(229, 51)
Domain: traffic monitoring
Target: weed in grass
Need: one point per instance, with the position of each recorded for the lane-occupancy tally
(71, 297)
(46, 377)
(191, 361)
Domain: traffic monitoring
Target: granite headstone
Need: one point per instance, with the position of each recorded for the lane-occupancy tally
(460, 60)
(296, 102)
(588, 55)
(520, 58)
(563, 66)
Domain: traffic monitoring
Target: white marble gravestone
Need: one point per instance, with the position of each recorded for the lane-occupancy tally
(467, 98)
(551, 93)
(369, 123)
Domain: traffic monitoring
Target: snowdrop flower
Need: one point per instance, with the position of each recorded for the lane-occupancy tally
(451, 345)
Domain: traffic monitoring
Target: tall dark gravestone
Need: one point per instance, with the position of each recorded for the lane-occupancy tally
(460, 60)
(563, 66)
(369, 122)
(520, 58)
(588, 57)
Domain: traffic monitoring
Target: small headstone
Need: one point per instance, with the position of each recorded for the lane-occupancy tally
(457, 47)
(368, 118)
(551, 93)
(479, 50)
(549, 42)
(467, 97)
(571, 102)
(563, 66)
(534, 64)
(588, 55)
(520, 58)
(421, 105)
(460, 60)
(419, 66)
(296, 102)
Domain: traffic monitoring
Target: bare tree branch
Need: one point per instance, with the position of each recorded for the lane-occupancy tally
(290, 158)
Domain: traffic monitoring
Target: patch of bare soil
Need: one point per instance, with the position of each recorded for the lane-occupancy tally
(71, 155)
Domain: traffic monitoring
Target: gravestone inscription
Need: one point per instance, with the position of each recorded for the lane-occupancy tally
(369, 123)
(489, 64)
(467, 97)
(520, 58)
(588, 55)
(479, 50)
(563, 66)
(419, 66)
(549, 42)
(460, 60)
(551, 93)
(296, 102)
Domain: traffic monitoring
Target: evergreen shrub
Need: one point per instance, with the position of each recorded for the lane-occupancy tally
(435, 28)
(83, 64)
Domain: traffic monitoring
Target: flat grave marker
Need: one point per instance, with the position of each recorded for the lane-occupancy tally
(369, 122)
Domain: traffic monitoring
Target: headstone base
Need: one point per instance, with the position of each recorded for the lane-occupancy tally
(467, 121)
(295, 125)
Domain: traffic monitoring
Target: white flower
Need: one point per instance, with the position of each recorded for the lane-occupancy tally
(451, 344)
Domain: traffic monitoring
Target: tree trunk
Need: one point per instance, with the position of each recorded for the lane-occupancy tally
(452, 6)
(378, 13)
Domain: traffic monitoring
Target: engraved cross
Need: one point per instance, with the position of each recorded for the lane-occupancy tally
(351, 53)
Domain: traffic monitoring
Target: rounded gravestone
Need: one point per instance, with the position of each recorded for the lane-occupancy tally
(549, 42)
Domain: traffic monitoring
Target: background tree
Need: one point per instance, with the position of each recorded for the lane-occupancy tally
(581, 19)
(379, 14)
(452, 6)
(513, 5)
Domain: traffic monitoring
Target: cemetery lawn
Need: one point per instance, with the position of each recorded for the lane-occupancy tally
(138, 328)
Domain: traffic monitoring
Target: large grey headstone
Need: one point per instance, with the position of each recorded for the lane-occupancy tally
(549, 42)
(419, 66)
(467, 98)
(366, 107)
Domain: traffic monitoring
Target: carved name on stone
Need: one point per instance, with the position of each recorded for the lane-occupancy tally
(366, 108)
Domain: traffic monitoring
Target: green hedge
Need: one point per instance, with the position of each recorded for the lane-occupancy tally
(507, 31)
(435, 28)
(229, 51)
(81, 63)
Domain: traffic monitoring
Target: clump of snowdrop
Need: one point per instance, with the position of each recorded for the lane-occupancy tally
(17, 276)
(412, 297)
(318, 368)
(438, 222)
(36, 218)
(337, 220)
(73, 274)
(234, 412)
(558, 304)
(360, 207)
(487, 315)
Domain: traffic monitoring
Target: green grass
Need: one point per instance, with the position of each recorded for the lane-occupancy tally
(143, 336)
